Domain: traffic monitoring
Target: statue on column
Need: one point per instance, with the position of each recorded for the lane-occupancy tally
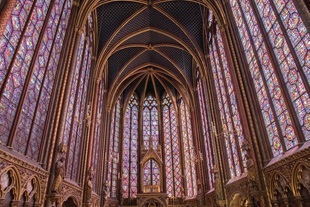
(249, 164)
(59, 171)
(218, 184)
(89, 184)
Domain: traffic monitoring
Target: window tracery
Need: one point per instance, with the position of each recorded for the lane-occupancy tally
(231, 125)
(130, 149)
(171, 148)
(98, 136)
(77, 107)
(280, 75)
(114, 150)
(150, 123)
(189, 150)
(203, 101)
(30, 50)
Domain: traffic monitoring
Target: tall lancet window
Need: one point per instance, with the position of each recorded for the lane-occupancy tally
(114, 150)
(77, 111)
(281, 75)
(189, 151)
(98, 137)
(150, 122)
(230, 118)
(29, 54)
(172, 148)
(206, 130)
(130, 149)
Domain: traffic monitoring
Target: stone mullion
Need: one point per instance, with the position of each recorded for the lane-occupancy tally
(102, 140)
(74, 108)
(221, 70)
(181, 147)
(218, 144)
(162, 132)
(59, 78)
(61, 108)
(66, 85)
(94, 87)
(186, 111)
(199, 143)
(223, 121)
(120, 150)
(171, 148)
(140, 142)
(86, 122)
(93, 91)
(130, 142)
(161, 142)
(204, 149)
(205, 98)
(89, 134)
(239, 91)
(105, 162)
(111, 154)
(204, 143)
(255, 154)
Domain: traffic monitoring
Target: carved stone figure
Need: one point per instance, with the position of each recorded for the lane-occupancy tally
(59, 174)
(89, 184)
(218, 184)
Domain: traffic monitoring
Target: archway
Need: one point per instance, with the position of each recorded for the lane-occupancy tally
(69, 203)
(153, 202)
(8, 199)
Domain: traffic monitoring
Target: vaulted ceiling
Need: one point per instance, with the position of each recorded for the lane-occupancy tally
(151, 45)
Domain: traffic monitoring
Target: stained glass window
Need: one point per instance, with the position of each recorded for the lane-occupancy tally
(282, 83)
(203, 101)
(27, 79)
(78, 110)
(130, 149)
(189, 150)
(151, 173)
(114, 149)
(230, 118)
(150, 122)
(172, 149)
(97, 137)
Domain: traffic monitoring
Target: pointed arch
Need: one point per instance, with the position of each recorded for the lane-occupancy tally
(130, 148)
